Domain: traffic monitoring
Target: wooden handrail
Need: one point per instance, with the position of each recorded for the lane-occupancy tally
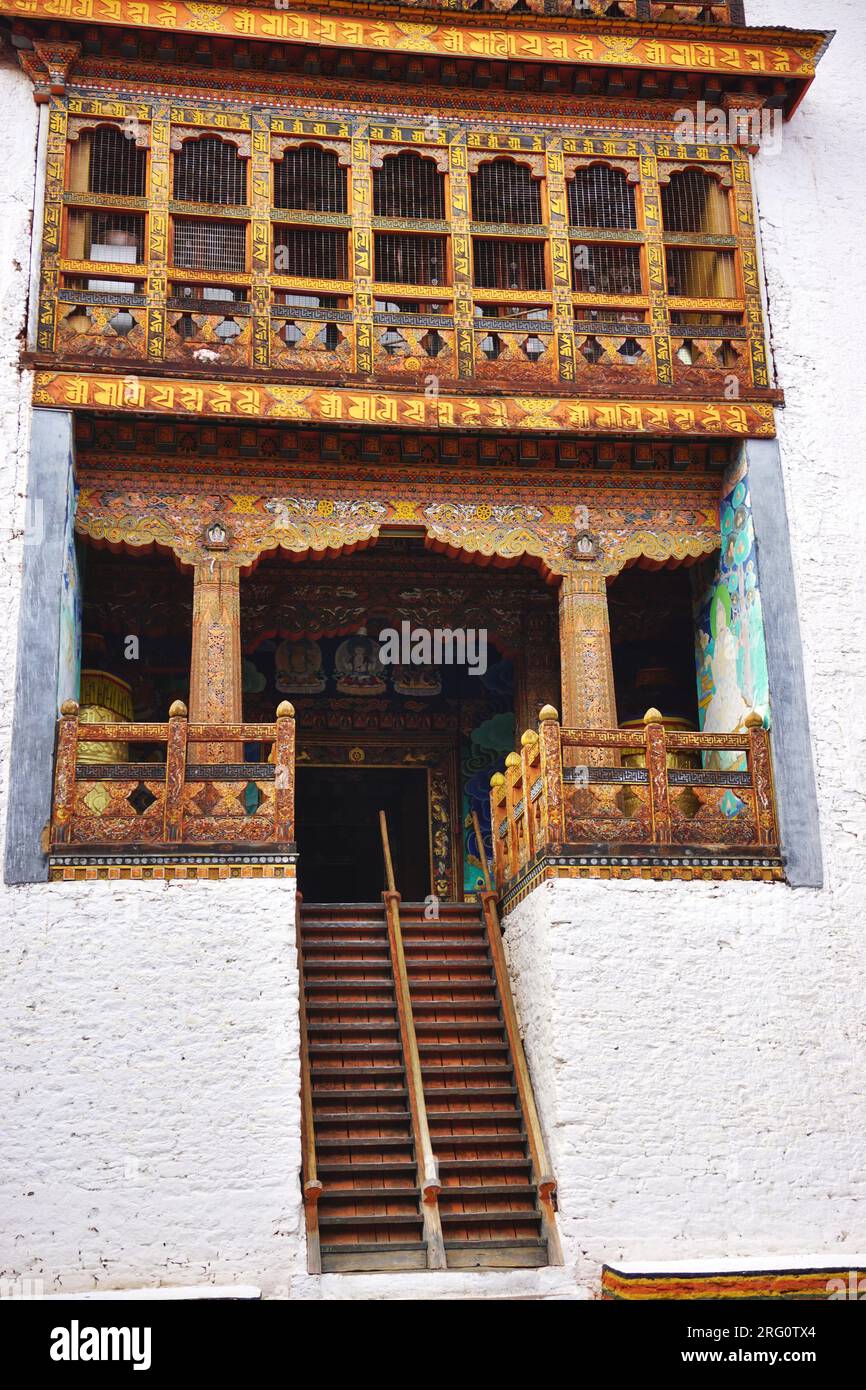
(312, 1187)
(427, 1165)
(545, 1182)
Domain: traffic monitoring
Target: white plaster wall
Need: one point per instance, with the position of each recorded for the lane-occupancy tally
(150, 1126)
(697, 1049)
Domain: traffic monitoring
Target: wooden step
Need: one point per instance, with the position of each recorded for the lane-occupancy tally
(328, 1222)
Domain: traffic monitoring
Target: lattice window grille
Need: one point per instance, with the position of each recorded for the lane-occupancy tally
(509, 265)
(506, 192)
(701, 274)
(107, 236)
(117, 166)
(310, 180)
(695, 202)
(407, 185)
(606, 269)
(409, 260)
(601, 197)
(210, 171)
(200, 245)
(311, 253)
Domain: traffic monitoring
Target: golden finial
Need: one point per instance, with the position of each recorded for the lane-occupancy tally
(178, 710)
(753, 720)
(653, 716)
(69, 708)
(513, 760)
(285, 710)
(529, 736)
(547, 712)
(497, 780)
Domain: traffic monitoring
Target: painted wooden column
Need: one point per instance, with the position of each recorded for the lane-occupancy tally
(215, 667)
(588, 700)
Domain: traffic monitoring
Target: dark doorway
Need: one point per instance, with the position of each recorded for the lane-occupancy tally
(339, 845)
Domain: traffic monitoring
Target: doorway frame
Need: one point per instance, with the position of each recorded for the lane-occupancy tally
(439, 756)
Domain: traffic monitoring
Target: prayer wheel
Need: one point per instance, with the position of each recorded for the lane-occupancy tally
(105, 699)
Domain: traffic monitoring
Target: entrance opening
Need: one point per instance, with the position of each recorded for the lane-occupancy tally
(339, 845)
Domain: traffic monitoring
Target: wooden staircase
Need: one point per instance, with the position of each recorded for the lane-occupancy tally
(422, 1146)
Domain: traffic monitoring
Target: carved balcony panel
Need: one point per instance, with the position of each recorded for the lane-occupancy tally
(708, 364)
(100, 330)
(455, 225)
(214, 337)
(420, 350)
(304, 345)
(613, 360)
(523, 355)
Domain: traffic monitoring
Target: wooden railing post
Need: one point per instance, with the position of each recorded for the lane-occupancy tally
(528, 751)
(500, 852)
(312, 1187)
(657, 777)
(761, 768)
(512, 777)
(284, 774)
(428, 1168)
(175, 772)
(64, 774)
(550, 739)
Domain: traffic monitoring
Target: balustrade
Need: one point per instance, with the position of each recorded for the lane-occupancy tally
(659, 797)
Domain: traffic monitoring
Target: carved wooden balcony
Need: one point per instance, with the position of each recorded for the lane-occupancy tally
(197, 810)
(645, 803)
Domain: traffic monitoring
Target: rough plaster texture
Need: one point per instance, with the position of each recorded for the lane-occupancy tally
(696, 1049)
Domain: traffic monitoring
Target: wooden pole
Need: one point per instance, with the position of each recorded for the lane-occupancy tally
(428, 1168)
(175, 772)
(284, 774)
(312, 1188)
(545, 1182)
(64, 774)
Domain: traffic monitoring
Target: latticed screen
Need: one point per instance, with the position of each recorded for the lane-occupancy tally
(695, 202)
(105, 236)
(106, 161)
(509, 265)
(506, 192)
(410, 260)
(209, 171)
(311, 253)
(692, 318)
(202, 245)
(701, 274)
(310, 179)
(606, 269)
(601, 197)
(408, 186)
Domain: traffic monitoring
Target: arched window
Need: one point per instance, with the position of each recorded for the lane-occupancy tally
(310, 179)
(209, 170)
(503, 191)
(601, 197)
(694, 201)
(114, 163)
(408, 185)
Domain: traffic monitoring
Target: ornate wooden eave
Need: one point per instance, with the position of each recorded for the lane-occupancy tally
(730, 55)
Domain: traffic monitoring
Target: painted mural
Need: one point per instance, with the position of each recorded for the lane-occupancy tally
(730, 650)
